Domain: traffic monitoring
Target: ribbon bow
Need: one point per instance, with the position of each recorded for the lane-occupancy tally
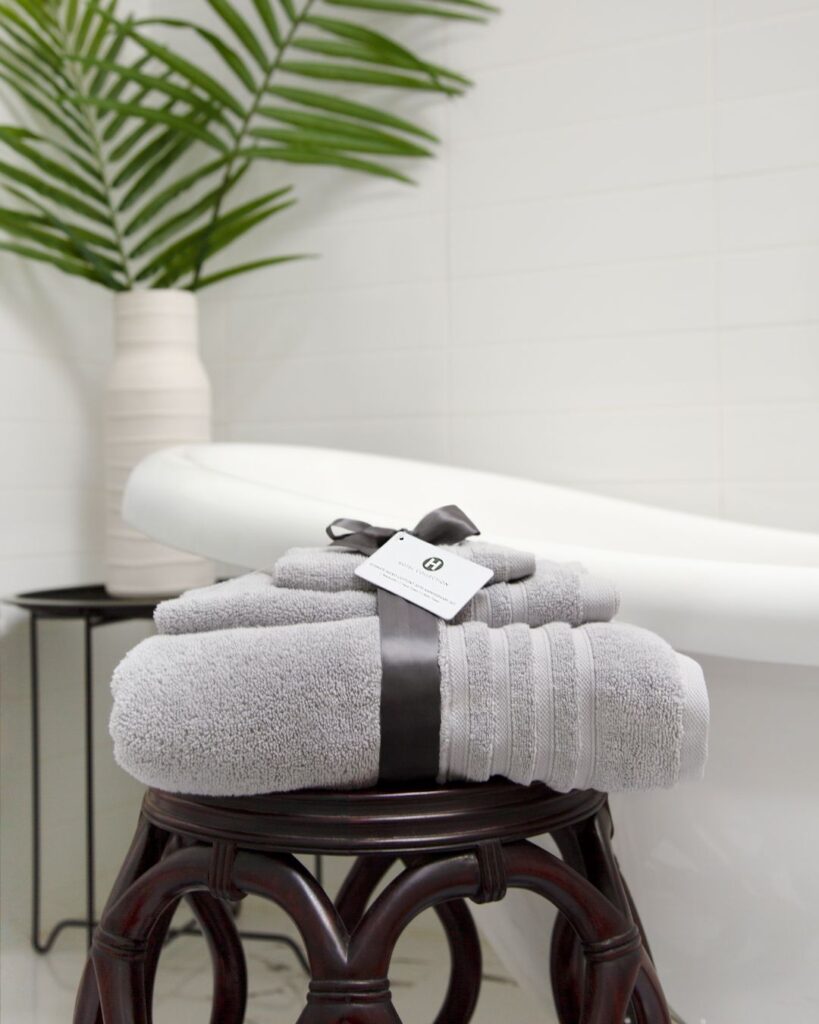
(445, 525)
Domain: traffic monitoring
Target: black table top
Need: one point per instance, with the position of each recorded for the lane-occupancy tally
(91, 600)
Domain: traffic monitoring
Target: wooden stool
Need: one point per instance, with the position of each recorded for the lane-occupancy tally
(457, 842)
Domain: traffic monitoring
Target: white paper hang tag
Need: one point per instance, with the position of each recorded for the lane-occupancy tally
(433, 578)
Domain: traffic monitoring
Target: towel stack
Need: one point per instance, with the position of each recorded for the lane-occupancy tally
(271, 681)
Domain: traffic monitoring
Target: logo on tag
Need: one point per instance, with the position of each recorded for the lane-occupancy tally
(413, 569)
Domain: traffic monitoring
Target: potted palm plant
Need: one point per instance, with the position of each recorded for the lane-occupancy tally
(126, 165)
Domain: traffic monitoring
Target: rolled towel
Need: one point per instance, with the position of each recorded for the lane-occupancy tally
(552, 593)
(243, 711)
(333, 568)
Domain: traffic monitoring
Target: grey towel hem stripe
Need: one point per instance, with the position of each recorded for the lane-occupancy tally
(696, 711)
(584, 674)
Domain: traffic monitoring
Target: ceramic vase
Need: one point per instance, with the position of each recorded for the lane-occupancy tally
(157, 396)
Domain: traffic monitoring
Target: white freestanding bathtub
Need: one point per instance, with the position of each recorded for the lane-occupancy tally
(724, 872)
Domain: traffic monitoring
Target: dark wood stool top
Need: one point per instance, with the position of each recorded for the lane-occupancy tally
(380, 820)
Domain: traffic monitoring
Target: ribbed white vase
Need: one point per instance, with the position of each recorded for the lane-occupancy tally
(158, 395)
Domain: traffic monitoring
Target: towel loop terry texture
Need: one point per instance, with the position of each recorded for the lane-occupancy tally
(410, 709)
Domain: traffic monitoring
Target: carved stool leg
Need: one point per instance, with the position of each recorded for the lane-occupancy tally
(610, 941)
(462, 938)
(465, 976)
(146, 849)
(156, 941)
(587, 848)
(359, 885)
(127, 942)
(566, 971)
(216, 920)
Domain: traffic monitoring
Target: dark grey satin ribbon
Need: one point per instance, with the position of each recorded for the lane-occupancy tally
(410, 674)
(410, 690)
(445, 525)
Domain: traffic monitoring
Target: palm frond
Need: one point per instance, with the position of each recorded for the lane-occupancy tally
(245, 268)
(126, 172)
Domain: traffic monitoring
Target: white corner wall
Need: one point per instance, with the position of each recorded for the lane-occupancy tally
(606, 279)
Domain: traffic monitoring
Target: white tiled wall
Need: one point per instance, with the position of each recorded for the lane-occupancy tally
(608, 278)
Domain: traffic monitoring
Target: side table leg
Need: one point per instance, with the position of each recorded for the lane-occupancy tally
(90, 865)
(34, 676)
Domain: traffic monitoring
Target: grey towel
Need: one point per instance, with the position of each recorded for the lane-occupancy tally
(331, 568)
(553, 593)
(243, 711)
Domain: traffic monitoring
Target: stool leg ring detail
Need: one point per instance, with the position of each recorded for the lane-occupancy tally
(464, 986)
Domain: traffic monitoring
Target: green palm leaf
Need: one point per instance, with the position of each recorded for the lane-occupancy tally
(376, 47)
(163, 199)
(336, 105)
(116, 91)
(215, 238)
(181, 255)
(405, 7)
(187, 216)
(268, 17)
(322, 156)
(102, 29)
(41, 186)
(240, 28)
(30, 67)
(154, 171)
(70, 228)
(34, 229)
(223, 51)
(338, 126)
(43, 15)
(135, 150)
(49, 111)
(245, 268)
(71, 9)
(161, 84)
(80, 159)
(67, 265)
(327, 136)
(189, 71)
(27, 35)
(364, 76)
(108, 62)
(18, 139)
(74, 242)
(159, 115)
(158, 147)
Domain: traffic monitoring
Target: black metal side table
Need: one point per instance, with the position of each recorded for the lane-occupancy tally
(94, 606)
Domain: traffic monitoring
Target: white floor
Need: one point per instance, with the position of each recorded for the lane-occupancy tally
(40, 990)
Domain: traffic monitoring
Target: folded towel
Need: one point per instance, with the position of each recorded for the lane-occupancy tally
(253, 600)
(553, 593)
(333, 568)
(242, 711)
